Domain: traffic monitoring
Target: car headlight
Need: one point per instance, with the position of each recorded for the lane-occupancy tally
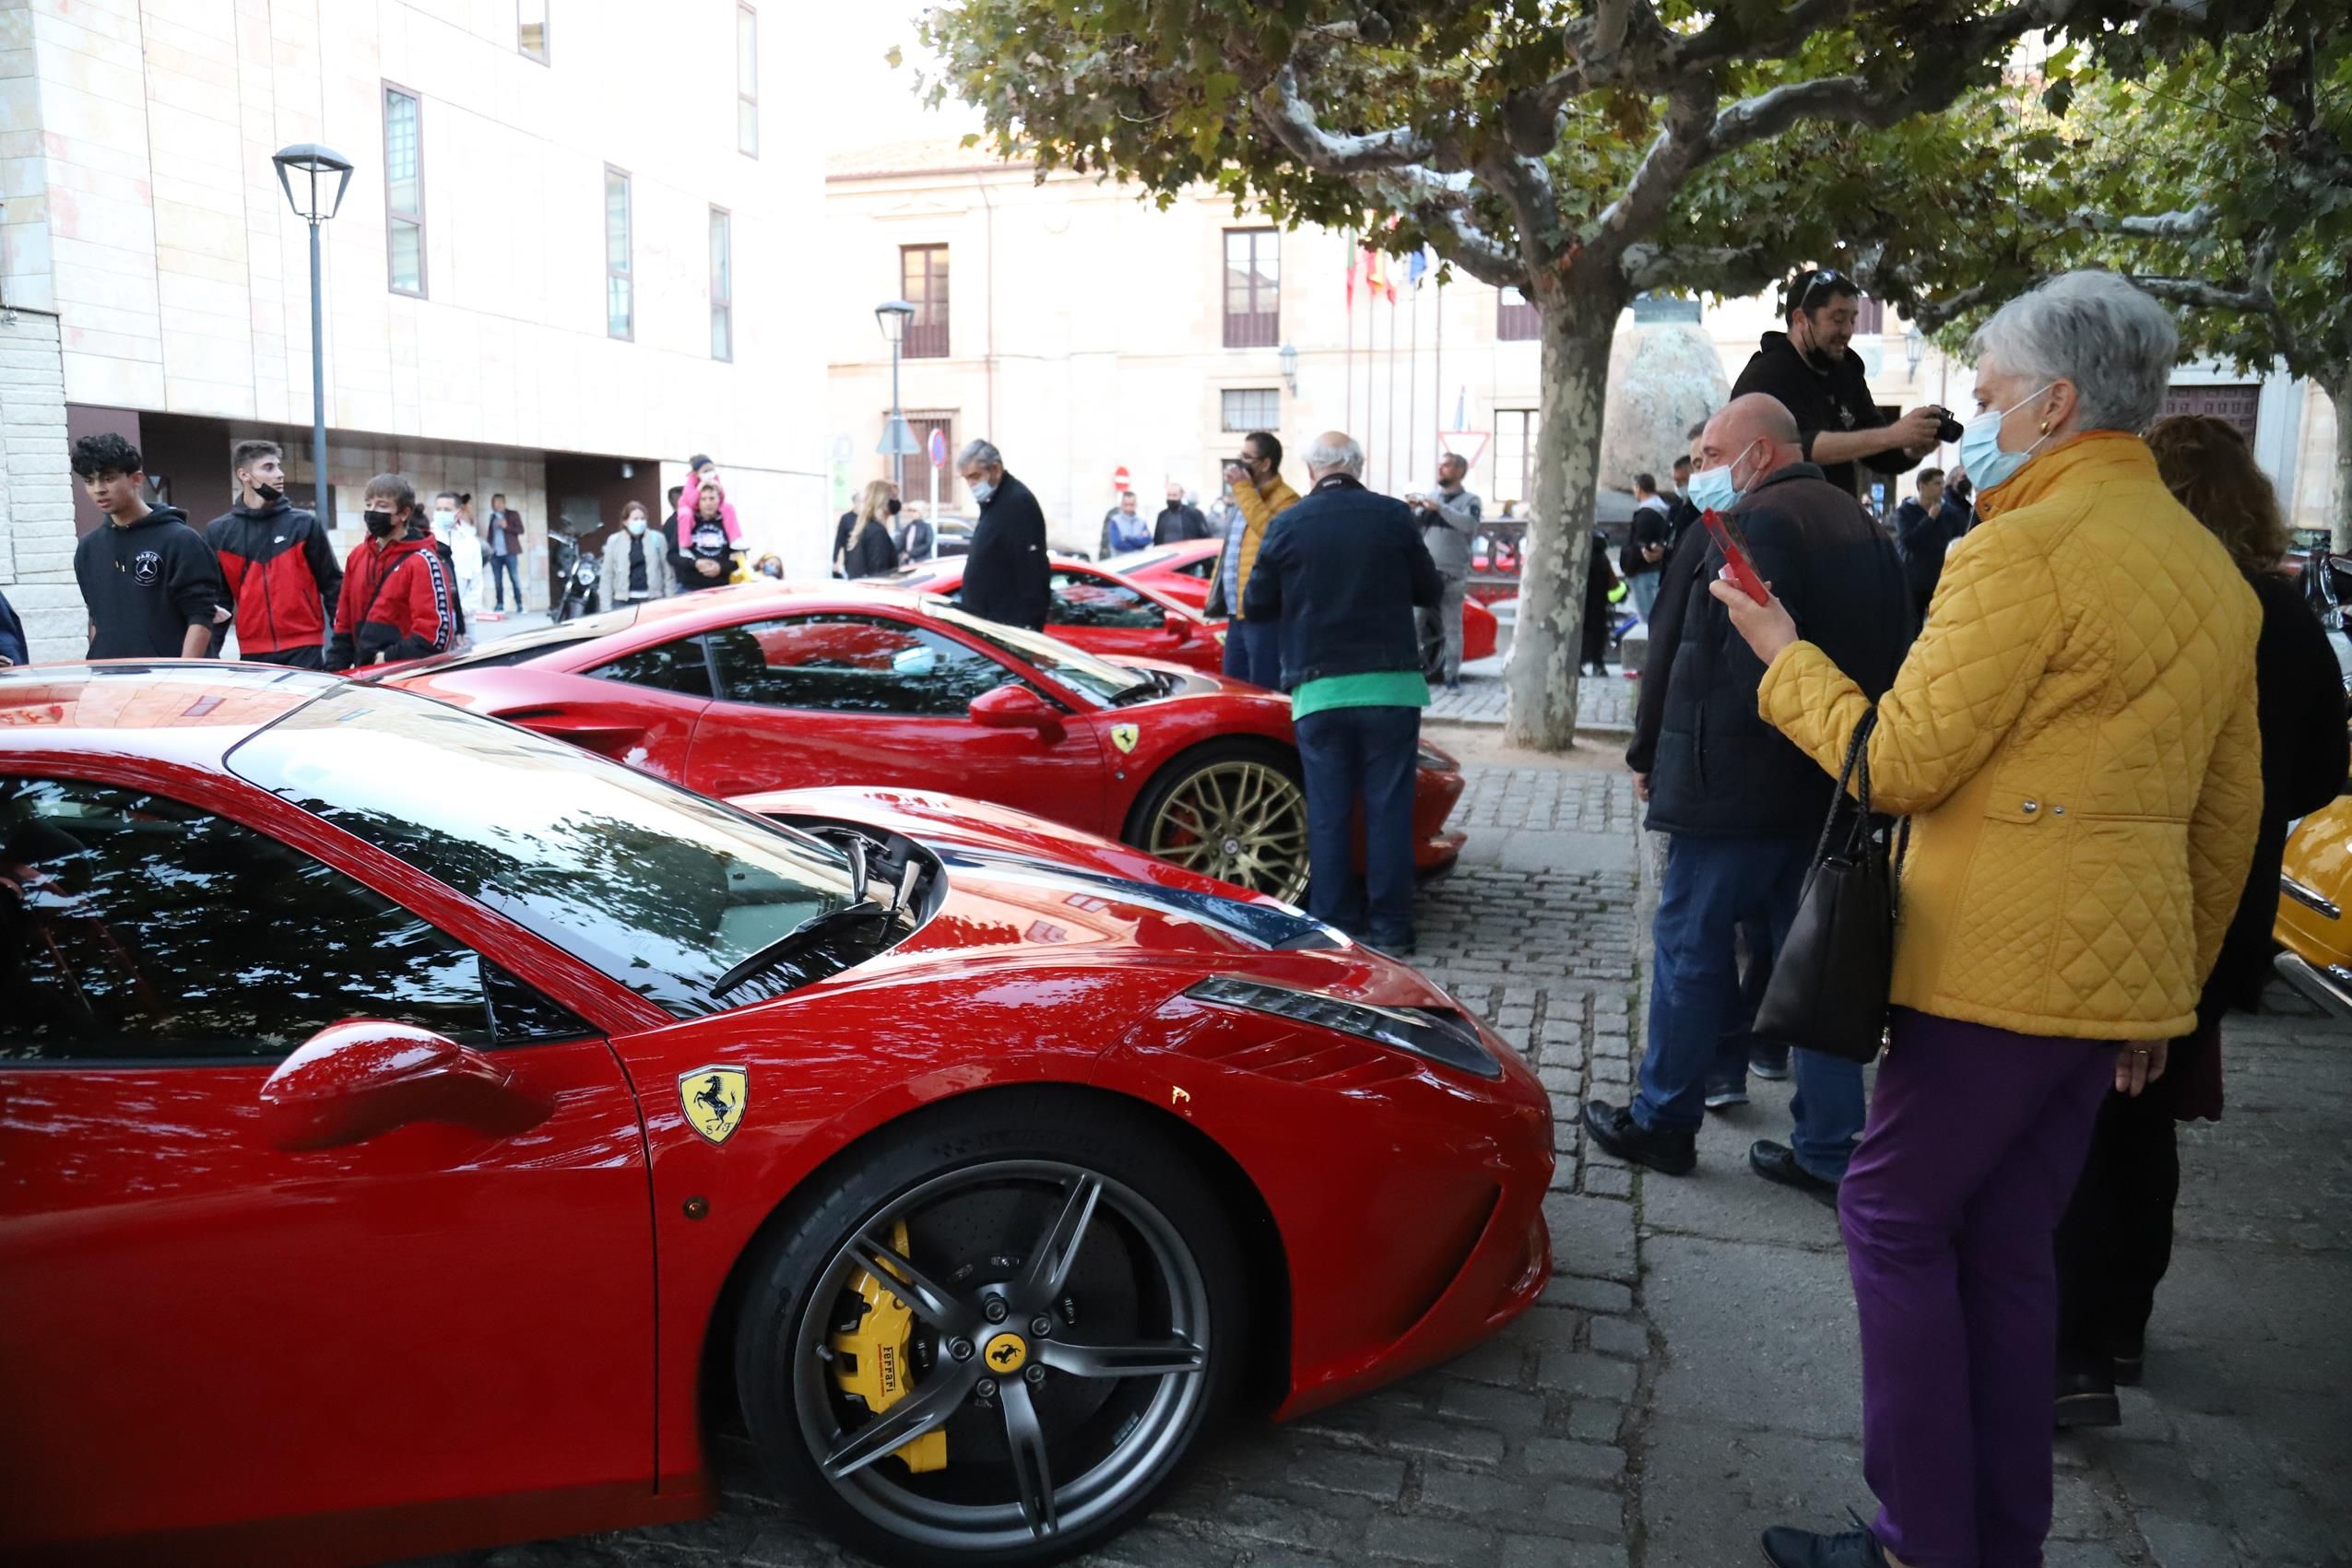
(1443, 1037)
(1437, 761)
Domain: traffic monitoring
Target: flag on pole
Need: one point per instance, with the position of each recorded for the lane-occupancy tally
(1377, 276)
(1415, 264)
(1356, 260)
(1462, 408)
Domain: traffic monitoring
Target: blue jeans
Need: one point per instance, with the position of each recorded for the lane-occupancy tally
(1642, 589)
(1711, 886)
(501, 570)
(1254, 652)
(1367, 753)
(1739, 1046)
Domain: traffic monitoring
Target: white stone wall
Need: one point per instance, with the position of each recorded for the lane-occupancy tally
(142, 206)
(36, 490)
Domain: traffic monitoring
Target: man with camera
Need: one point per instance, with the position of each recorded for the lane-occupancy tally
(1252, 652)
(1812, 369)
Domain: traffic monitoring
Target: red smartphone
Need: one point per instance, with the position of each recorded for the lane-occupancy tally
(1725, 532)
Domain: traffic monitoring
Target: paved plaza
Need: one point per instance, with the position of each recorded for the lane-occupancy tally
(1692, 1376)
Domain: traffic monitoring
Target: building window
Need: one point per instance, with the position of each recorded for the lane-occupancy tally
(1870, 317)
(1253, 288)
(1516, 321)
(530, 28)
(943, 475)
(747, 81)
(403, 190)
(620, 302)
(1250, 408)
(1514, 476)
(922, 282)
(721, 285)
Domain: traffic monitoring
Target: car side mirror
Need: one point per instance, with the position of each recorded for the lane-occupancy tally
(1177, 626)
(362, 1077)
(1014, 706)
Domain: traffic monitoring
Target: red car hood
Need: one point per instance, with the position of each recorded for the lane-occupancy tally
(1024, 891)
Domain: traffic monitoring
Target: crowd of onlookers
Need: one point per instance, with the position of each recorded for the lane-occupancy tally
(266, 569)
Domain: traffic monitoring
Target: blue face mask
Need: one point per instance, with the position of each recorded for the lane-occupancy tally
(1981, 453)
(981, 490)
(1712, 490)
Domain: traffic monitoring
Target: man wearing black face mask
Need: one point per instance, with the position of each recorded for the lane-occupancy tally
(1812, 371)
(278, 562)
(399, 598)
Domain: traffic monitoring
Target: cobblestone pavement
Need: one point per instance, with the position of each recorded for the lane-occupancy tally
(1604, 703)
(1692, 1375)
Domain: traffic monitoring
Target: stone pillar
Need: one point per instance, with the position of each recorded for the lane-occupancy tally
(37, 534)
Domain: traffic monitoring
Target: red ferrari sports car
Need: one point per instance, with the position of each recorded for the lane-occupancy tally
(1181, 572)
(1094, 609)
(421, 1134)
(768, 687)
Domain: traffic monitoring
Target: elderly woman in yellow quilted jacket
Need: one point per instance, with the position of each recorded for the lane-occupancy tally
(2072, 737)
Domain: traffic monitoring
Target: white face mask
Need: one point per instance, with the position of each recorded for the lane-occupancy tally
(444, 519)
(635, 525)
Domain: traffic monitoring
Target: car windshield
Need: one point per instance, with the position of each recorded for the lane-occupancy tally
(663, 891)
(526, 645)
(1105, 682)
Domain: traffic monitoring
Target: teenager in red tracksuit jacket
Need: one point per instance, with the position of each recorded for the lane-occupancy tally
(399, 600)
(278, 563)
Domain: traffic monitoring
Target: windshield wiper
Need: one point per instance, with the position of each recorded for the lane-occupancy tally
(800, 936)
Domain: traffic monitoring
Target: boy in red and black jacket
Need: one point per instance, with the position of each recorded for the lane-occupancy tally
(278, 562)
(398, 602)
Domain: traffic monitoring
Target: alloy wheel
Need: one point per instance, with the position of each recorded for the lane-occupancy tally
(1239, 821)
(1053, 1347)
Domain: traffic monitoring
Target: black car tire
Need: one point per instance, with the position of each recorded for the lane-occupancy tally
(1152, 1197)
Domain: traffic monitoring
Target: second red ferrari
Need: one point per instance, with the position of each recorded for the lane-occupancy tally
(755, 688)
(1181, 572)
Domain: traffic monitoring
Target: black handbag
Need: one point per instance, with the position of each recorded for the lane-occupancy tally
(1831, 977)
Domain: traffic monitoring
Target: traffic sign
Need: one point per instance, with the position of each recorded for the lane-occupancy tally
(1119, 481)
(938, 448)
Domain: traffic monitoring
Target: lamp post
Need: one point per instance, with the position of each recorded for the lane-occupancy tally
(314, 165)
(1288, 357)
(892, 315)
(1914, 350)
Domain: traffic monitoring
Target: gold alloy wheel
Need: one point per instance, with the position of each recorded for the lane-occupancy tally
(1241, 822)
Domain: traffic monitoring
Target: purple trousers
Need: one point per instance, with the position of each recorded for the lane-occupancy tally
(1974, 1141)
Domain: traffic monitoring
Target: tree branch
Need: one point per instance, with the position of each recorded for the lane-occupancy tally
(1294, 123)
(1679, 147)
(1716, 268)
(2183, 225)
(1724, 39)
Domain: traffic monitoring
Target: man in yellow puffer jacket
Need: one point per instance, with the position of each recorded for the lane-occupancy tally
(1252, 652)
(2073, 739)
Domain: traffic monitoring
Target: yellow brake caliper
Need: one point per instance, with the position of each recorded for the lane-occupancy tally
(869, 1361)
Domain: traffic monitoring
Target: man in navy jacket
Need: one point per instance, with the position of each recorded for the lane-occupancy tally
(1341, 575)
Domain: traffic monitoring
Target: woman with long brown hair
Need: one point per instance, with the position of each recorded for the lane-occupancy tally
(867, 551)
(2116, 1240)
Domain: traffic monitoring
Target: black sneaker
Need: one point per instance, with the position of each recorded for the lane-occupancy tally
(1723, 1094)
(1770, 1064)
(1615, 1129)
(1786, 1547)
(1778, 1162)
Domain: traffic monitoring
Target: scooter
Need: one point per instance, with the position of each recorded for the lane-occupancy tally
(582, 578)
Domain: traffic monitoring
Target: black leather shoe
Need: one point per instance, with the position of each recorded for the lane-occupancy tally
(2086, 1397)
(1778, 1162)
(1788, 1547)
(2131, 1362)
(1615, 1129)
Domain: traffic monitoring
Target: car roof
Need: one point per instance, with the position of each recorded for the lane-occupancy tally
(189, 711)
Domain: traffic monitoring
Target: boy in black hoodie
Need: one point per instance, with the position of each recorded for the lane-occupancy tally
(278, 562)
(151, 582)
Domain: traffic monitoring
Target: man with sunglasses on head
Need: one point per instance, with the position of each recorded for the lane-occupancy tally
(1812, 369)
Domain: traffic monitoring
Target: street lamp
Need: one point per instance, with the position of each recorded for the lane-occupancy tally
(1914, 349)
(1289, 357)
(314, 166)
(892, 317)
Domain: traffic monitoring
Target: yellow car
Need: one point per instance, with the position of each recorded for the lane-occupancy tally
(2314, 887)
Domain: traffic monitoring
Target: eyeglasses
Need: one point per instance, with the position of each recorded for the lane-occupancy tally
(1812, 287)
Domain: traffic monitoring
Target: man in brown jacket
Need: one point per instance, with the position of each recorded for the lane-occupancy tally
(1252, 652)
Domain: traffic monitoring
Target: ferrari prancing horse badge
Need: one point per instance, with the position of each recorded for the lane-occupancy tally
(712, 1099)
(1123, 736)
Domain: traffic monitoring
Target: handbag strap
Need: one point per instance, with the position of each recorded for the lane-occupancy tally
(1857, 755)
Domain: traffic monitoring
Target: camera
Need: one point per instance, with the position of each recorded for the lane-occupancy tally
(1947, 429)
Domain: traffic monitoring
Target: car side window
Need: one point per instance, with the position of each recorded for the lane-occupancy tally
(1080, 599)
(852, 663)
(1203, 569)
(676, 667)
(136, 928)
